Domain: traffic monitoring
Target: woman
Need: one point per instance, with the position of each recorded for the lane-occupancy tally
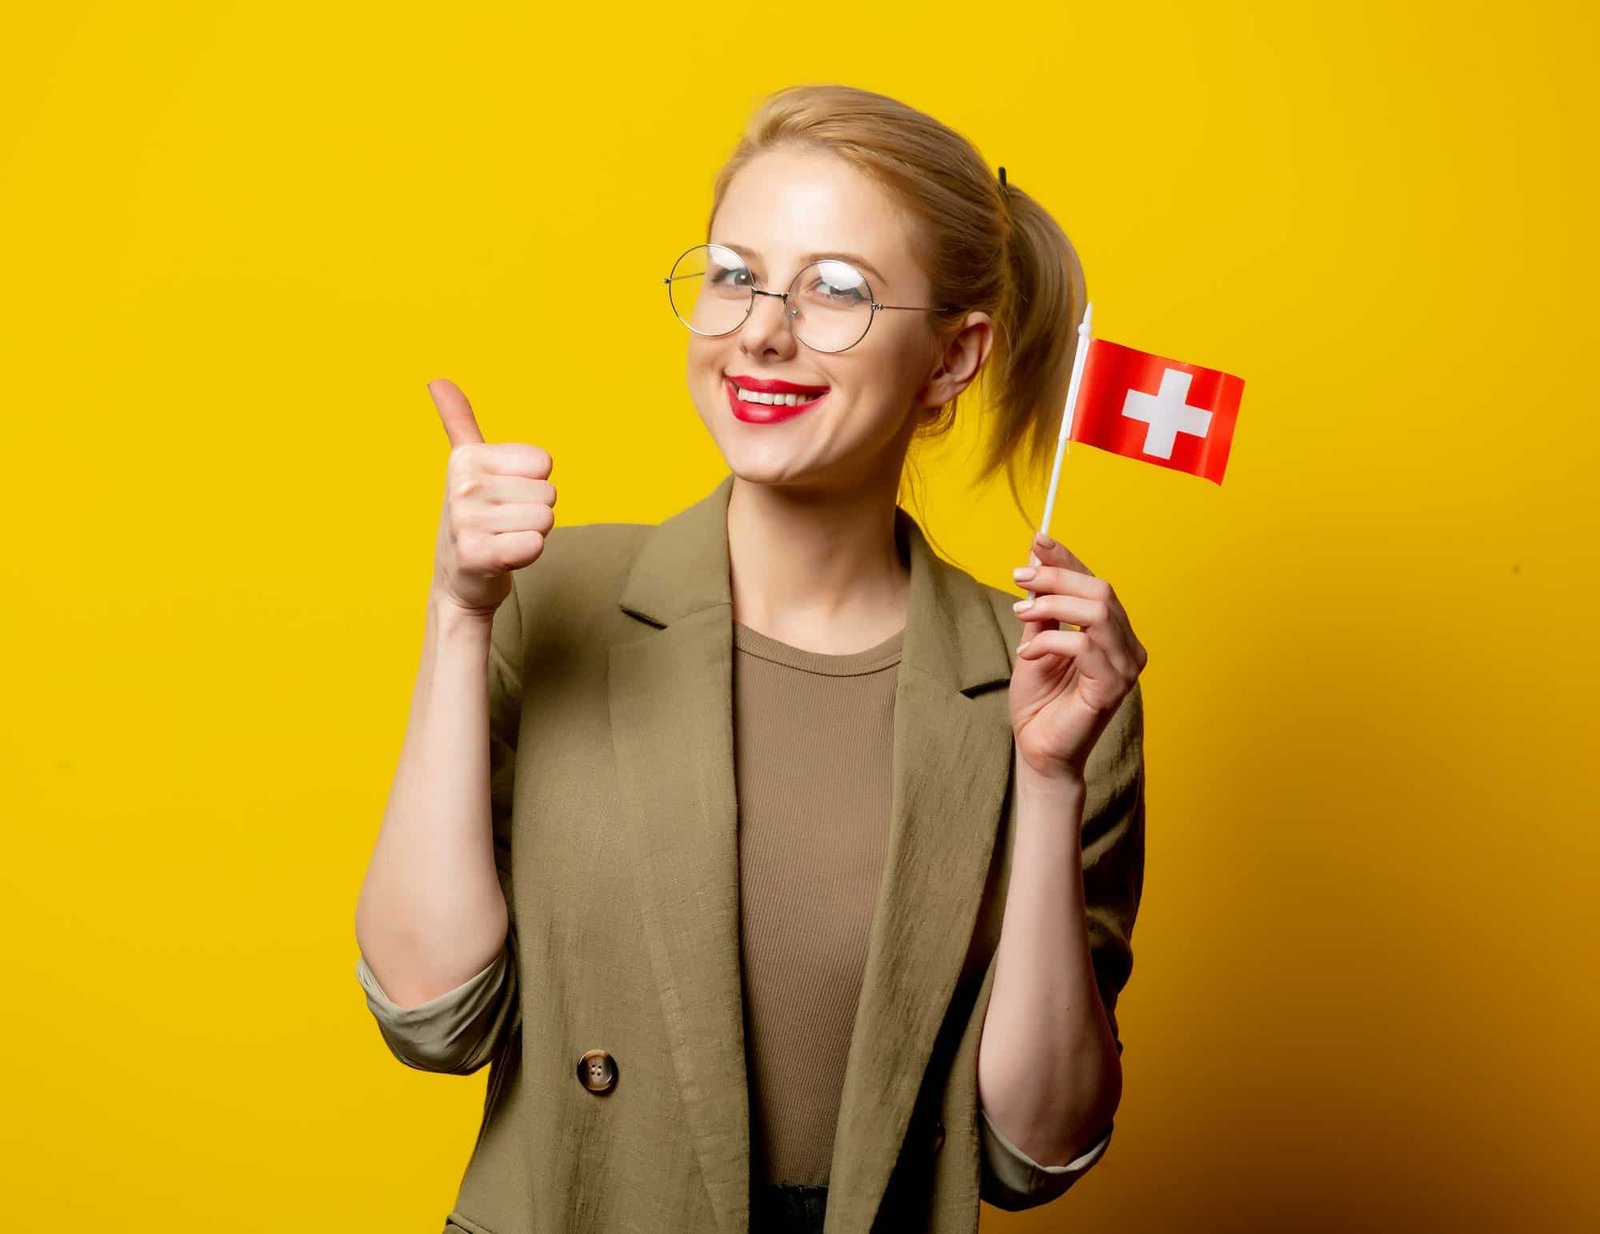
(778, 817)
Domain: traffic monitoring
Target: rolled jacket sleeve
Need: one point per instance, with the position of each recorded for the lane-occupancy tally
(1013, 1181)
(455, 1032)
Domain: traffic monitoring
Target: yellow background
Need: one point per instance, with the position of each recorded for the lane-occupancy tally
(240, 238)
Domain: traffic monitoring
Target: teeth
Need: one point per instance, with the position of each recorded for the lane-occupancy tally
(775, 400)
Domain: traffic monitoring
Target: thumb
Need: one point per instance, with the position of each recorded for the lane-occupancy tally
(456, 413)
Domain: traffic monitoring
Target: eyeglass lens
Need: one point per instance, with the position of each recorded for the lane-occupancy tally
(712, 292)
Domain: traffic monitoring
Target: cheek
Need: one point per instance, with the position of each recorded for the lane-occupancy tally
(702, 368)
(880, 394)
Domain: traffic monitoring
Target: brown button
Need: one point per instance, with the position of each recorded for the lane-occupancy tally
(597, 1071)
(938, 1135)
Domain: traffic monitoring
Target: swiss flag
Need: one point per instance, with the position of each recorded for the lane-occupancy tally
(1161, 411)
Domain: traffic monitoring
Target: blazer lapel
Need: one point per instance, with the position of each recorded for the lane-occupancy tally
(671, 705)
(952, 766)
(671, 710)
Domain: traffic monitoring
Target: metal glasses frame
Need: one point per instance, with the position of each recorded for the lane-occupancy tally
(788, 312)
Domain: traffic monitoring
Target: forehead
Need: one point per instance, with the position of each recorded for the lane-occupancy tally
(785, 204)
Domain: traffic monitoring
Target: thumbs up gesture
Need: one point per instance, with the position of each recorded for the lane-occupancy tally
(498, 508)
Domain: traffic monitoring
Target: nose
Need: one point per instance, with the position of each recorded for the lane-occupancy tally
(767, 328)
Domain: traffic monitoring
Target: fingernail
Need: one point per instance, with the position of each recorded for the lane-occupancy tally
(1023, 573)
(1044, 541)
(1023, 645)
(1022, 606)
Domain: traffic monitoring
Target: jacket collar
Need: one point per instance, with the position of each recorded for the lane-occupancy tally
(670, 698)
(951, 632)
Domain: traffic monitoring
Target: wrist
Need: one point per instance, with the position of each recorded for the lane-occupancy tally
(454, 622)
(1049, 803)
(1056, 780)
(1053, 794)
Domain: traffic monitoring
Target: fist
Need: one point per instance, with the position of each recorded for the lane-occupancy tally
(499, 505)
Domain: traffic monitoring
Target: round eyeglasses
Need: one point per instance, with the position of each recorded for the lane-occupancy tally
(829, 304)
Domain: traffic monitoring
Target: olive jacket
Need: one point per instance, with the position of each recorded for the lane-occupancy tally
(612, 1020)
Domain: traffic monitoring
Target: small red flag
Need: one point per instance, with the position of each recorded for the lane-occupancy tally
(1161, 411)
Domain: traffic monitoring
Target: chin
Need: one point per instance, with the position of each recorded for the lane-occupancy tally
(766, 467)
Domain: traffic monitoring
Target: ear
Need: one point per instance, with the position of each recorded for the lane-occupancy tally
(960, 359)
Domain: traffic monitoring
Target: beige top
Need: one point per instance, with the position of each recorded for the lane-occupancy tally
(814, 747)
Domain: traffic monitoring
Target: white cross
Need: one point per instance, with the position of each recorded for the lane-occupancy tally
(1167, 413)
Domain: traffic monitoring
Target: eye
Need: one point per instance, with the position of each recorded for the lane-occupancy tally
(851, 294)
(728, 276)
(835, 293)
(837, 284)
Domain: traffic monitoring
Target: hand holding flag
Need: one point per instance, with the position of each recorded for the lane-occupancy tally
(1068, 682)
(1077, 661)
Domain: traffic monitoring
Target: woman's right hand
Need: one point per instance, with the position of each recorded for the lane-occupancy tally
(498, 508)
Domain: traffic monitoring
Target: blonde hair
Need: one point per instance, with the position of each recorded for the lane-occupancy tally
(982, 245)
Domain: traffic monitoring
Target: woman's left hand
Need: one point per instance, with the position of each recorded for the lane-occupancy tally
(1068, 683)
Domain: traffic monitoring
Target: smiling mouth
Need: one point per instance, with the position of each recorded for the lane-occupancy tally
(802, 394)
(753, 410)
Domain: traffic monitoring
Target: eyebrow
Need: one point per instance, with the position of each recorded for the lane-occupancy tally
(807, 258)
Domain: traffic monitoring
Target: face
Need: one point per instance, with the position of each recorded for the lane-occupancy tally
(780, 208)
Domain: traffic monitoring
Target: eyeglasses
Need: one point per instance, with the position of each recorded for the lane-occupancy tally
(829, 304)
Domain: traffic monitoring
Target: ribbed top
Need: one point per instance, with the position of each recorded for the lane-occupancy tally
(885, 654)
(813, 754)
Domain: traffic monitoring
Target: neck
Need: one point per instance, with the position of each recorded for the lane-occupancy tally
(817, 569)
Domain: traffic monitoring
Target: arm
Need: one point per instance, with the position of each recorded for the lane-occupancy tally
(1049, 1065)
(433, 921)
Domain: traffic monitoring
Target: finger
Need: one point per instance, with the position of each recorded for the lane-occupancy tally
(1068, 580)
(517, 516)
(1094, 607)
(1116, 635)
(1047, 551)
(1058, 554)
(1035, 624)
(1110, 618)
(515, 458)
(1074, 610)
(1104, 627)
(493, 487)
(459, 423)
(1112, 640)
(1063, 580)
(1074, 645)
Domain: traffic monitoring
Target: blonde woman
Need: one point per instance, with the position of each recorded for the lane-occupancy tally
(782, 873)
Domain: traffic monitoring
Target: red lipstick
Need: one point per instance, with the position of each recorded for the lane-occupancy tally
(769, 413)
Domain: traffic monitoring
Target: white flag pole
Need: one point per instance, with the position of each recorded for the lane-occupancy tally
(1069, 418)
